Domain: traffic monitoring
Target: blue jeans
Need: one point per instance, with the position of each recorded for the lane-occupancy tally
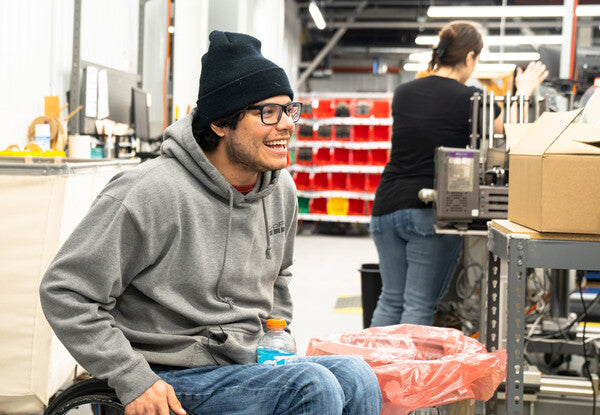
(415, 264)
(324, 385)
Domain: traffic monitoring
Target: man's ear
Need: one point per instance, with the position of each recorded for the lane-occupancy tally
(220, 131)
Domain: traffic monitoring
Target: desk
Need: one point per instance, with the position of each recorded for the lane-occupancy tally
(524, 248)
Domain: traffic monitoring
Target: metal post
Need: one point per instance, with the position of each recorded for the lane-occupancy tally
(141, 25)
(476, 99)
(559, 301)
(483, 117)
(536, 100)
(517, 277)
(492, 335)
(567, 33)
(507, 102)
(75, 83)
(521, 109)
(492, 118)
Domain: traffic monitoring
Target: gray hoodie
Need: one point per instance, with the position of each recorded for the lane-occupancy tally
(172, 265)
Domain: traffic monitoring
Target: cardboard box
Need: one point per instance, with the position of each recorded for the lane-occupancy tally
(554, 182)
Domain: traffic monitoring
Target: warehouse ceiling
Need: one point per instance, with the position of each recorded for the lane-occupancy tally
(386, 29)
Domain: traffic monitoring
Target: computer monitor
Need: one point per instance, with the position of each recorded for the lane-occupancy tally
(139, 114)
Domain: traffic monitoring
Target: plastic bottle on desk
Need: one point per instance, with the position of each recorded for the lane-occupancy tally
(277, 346)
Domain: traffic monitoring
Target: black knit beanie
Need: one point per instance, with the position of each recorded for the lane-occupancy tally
(236, 74)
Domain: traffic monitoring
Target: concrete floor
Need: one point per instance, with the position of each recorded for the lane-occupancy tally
(326, 268)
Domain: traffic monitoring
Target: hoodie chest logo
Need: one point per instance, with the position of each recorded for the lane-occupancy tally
(276, 228)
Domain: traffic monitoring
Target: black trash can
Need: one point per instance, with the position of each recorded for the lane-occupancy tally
(370, 287)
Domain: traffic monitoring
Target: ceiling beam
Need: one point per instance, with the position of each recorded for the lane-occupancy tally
(327, 48)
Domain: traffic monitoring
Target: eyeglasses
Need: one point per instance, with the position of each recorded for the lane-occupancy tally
(271, 113)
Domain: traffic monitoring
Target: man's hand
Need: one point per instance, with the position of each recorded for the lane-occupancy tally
(157, 399)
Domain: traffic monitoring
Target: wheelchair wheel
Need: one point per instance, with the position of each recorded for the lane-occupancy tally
(90, 396)
(90, 404)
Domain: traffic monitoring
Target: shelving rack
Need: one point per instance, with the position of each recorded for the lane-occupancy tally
(341, 147)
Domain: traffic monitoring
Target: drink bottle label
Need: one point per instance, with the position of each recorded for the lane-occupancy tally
(273, 357)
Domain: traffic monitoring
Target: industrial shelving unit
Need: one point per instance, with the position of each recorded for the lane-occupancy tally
(341, 147)
(522, 248)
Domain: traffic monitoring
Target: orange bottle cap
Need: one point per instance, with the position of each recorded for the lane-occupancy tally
(275, 323)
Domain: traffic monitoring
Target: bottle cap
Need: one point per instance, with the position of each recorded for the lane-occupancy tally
(275, 323)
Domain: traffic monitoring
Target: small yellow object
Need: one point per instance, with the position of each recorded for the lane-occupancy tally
(32, 150)
(337, 206)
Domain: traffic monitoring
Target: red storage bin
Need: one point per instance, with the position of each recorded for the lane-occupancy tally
(381, 108)
(360, 157)
(322, 156)
(305, 132)
(382, 132)
(339, 181)
(307, 109)
(379, 157)
(341, 132)
(342, 107)
(319, 181)
(360, 132)
(357, 207)
(323, 108)
(372, 181)
(324, 132)
(317, 206)
(341, 156)
(362, 108)
(302, 180)
(304, 156)
(369, 207)
(356, 182)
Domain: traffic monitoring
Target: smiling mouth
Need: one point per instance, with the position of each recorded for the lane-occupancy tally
(277, 144)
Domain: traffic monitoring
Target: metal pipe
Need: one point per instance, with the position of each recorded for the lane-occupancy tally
(507, 102)
(483, 117)
(521, 109)
(476, 98)
(492, 118)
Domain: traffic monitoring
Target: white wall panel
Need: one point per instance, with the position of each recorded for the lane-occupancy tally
(109, 33)
(190, 43)
(155, 48)
(35, 39)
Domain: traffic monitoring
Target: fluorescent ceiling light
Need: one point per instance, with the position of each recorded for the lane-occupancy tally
(485, 56)
(502, 40)
(481, 67)
(316, 15)
(509, 11)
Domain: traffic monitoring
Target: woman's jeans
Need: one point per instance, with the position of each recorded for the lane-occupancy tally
(415, 264)
(323, 385)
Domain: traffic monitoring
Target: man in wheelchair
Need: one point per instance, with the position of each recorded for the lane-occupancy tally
(165, 286)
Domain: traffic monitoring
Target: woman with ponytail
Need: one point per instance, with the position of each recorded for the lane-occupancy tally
(415, 263)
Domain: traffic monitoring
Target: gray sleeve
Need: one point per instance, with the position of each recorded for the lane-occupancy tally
(79, 291)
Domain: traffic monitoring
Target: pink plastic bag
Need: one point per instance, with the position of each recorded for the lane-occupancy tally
(420, 366)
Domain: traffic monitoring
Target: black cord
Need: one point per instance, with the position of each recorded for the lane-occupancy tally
(586, 365)
(577, 320)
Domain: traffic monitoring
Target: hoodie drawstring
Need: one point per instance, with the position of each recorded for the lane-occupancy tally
(268, 251)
